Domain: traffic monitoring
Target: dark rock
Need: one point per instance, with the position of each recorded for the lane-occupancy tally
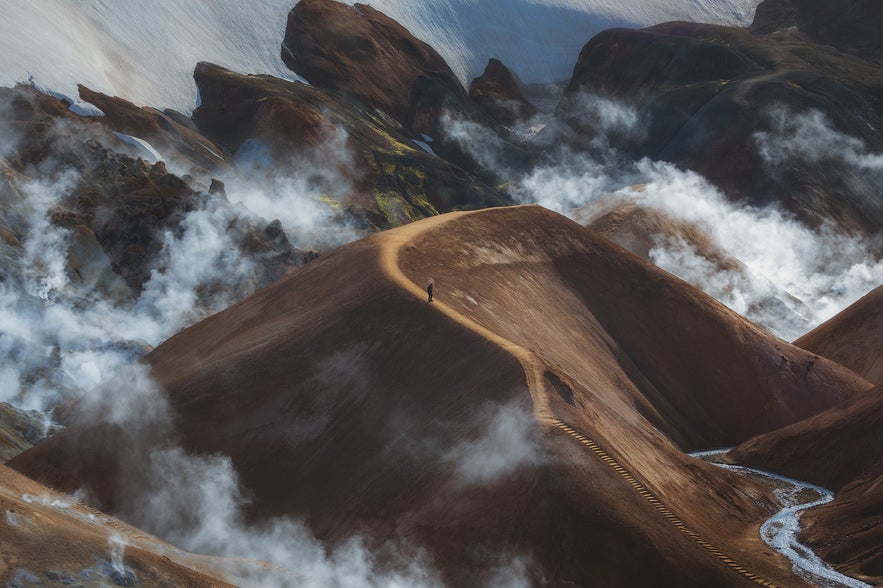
(363, 52)
(282, 127)
(172, 134)
(850, 25)
(217, 188)
(705, 94)
(500, 94)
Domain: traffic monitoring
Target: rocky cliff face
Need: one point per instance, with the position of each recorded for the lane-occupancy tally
(273, 124)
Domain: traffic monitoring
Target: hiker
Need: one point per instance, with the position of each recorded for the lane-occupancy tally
(429, 291)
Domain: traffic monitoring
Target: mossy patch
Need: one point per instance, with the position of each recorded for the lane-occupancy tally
(326, 199)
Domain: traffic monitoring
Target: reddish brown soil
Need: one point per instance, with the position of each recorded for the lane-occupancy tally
(339, 391)
(55, 538)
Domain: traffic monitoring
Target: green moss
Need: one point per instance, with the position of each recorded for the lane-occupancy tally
(420, 200)
(394, 145)
(390, 205)
(326, 199)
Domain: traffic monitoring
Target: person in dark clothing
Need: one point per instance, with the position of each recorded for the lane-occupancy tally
(429, 291)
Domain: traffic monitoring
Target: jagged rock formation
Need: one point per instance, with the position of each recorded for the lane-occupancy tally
(272, 123)
(500, 93)
(362, 53)
(116, 207)
(368, 396)
(171, 133)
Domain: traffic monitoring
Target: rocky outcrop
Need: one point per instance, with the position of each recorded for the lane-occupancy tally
(171, 133)
(361, 51)
(741, 110)
(382, 177)
(500, 93)
(115, 206)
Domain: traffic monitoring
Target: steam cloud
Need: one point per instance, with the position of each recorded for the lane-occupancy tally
(197, 502)
(792, 277)
(61, 336)
(508, 443)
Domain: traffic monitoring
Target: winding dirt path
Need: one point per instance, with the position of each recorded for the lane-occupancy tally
(391, 245)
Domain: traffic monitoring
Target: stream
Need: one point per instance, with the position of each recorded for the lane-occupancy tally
(780, 531)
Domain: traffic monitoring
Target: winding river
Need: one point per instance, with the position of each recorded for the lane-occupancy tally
(780, 531)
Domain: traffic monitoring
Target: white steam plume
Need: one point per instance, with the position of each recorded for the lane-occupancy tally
(305, 193)
(508, 442)
(61, 336)
(794, 277)
(197, 502)
(810, 136)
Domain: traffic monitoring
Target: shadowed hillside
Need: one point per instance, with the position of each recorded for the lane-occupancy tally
(839, 448)
(853, 338)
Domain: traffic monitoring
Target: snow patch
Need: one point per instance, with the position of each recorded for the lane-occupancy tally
(423, 145)
(145, 149)
(146, 51)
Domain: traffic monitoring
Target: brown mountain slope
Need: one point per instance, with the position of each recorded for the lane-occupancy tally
(853, 338)
(343, 397)
(47, 539)
(839, 449)
(832, 449)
